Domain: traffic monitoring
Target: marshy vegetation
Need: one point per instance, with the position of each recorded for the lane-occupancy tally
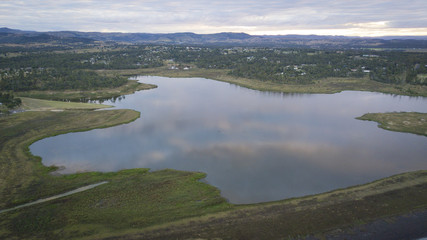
(410, 122)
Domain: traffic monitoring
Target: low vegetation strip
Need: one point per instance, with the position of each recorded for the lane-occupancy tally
(85, 188)
(80, 95)
(410, 122)
(133, 199)
(33, 104)
(317, 216)
(22, 176)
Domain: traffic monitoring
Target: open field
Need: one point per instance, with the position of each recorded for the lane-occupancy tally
(329, 85)
(410, 122)
(78, 95)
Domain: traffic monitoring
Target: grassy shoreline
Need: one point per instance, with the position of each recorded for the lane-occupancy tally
(79, 95)
(20, 130)
(408, 122)
(32, 104)
(328, 86)
(316, 215)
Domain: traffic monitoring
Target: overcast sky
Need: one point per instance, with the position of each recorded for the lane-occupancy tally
(340, 17)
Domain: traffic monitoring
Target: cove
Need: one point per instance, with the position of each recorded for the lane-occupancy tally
(254, 146)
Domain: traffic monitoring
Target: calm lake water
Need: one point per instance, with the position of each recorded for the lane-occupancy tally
(254, 146)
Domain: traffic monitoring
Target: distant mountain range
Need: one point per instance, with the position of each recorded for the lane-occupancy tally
(14, 36)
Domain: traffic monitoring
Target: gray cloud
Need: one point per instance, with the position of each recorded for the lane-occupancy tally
(214, 16)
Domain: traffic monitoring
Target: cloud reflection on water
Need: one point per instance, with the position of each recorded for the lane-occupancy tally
(254, 146)
(261, 171)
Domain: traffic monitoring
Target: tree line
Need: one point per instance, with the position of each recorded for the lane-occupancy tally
(57, 79)
(307, 65)
(56, 70)
(9, 101)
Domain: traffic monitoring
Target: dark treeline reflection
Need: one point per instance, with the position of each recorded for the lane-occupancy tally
(254, 146)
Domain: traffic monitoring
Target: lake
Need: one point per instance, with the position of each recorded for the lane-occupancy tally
(254, 146)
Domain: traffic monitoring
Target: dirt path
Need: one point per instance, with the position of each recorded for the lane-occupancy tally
(54, 197)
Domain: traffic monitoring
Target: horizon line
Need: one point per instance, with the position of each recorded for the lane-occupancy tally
(231, 32)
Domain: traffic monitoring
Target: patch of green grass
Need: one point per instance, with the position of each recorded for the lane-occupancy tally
(313, 215)
(133, 199)
(410, 122)
(22, 176)
(78, 95)
(43, 105)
